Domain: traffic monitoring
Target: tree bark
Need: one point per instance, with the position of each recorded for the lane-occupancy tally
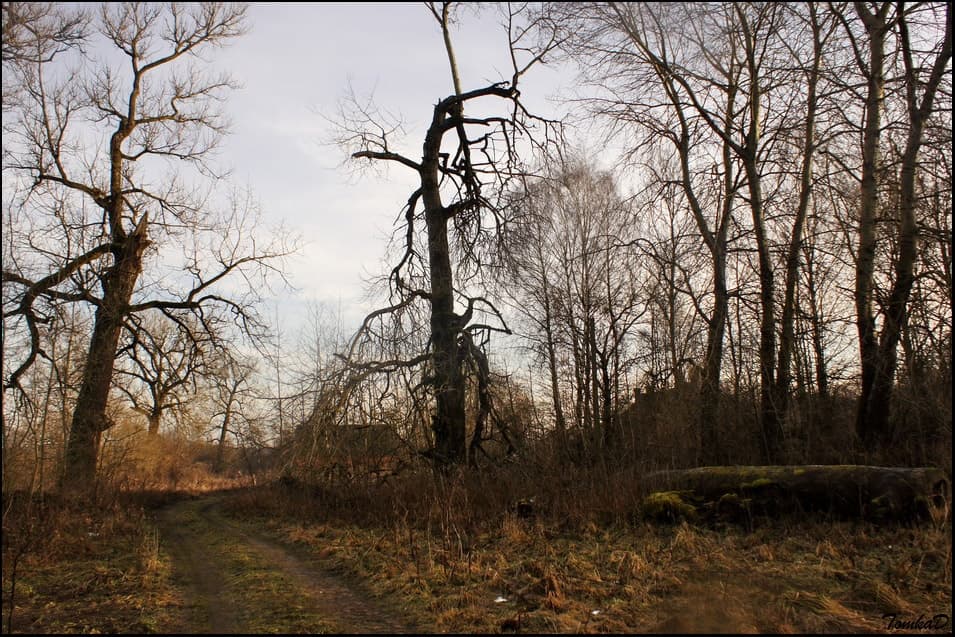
(448, 422)
(877, 29)
(89, 416)
(787, 339)
(154, 419)
(769, 418)
(716, 242)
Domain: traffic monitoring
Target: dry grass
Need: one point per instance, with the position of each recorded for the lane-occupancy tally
(262, 598)
(460, 566)
(95, 569)
(455, 556)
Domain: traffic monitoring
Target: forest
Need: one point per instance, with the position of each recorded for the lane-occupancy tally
(674, 355)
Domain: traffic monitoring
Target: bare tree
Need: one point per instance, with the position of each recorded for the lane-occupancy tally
(35, 32)
(572, 279)
(232, 394)
(530, 280)
(820, 28)
(37, 419)
(466, 159)
(102, 215)
(746, 63)
(160, 366)
(922, 74)
(662, 94)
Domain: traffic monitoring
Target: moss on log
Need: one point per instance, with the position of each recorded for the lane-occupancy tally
(875, 493)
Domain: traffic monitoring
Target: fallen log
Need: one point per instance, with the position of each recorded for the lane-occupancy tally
(736, 493)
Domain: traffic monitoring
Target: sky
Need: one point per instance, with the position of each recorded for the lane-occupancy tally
(295, 65)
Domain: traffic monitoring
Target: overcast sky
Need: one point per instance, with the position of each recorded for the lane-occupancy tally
(295, 65)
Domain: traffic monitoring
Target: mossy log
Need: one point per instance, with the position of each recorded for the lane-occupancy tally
(875, 493)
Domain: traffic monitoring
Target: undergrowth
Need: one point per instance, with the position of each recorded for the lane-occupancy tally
(82, 568)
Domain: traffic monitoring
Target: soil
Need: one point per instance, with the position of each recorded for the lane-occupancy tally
(219, 564)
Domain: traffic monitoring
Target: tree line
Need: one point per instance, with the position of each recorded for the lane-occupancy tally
(775, 232)
(773, 154)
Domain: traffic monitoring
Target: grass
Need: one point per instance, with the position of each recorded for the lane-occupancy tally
(264, 600)
(97, 570)
(107, 570)
(459, 572)
(453, 556)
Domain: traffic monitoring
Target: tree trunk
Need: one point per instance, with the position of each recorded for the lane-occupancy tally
(787, 339)
(865, 261)
(448, 422)
(219, 462)
(593, 366)
(875, 402)
(769, 418)
(843, 490)
(606, 399)
(89, 416)
(552, 365)
(580, 419)
(816, 323)
(449, 419)
(154, 418)
(710, 382)
(711, 451)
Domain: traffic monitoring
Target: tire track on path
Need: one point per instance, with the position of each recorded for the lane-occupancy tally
(220, 562)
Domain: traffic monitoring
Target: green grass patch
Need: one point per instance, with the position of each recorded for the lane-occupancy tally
(264, 599)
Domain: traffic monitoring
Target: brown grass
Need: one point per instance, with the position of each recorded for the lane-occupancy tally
(90, 569)
(453, 552)
(459, 559)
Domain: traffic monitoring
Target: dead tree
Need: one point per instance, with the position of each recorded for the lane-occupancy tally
(466, 160)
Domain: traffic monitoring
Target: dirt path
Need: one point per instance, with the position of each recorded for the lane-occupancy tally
(236, 580)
